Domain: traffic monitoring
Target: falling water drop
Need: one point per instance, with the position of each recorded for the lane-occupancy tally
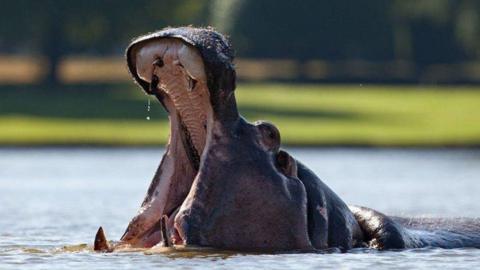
(148, 109)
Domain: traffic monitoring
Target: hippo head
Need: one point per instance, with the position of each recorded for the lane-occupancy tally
(223, 182)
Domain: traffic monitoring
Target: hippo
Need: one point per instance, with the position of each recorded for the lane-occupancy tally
(227, 184)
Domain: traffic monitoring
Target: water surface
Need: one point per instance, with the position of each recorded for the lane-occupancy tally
(53, 200)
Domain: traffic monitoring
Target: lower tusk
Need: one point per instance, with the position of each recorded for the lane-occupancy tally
(101, 243)
(163, 229)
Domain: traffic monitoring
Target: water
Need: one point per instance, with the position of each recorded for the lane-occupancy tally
(53, 200)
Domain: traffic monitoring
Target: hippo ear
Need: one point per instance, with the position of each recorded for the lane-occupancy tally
(101, 243)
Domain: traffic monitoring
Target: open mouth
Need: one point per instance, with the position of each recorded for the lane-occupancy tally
(175, 73)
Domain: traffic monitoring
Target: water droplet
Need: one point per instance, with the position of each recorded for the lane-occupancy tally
(148, 110)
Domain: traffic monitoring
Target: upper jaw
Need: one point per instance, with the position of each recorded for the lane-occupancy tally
(154, 54)
(177, 71)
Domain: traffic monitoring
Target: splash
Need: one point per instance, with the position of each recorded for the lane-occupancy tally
(73, 248)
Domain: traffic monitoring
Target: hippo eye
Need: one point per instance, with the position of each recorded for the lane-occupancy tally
(158, 62)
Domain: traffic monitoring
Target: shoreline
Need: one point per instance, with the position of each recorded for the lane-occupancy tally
(296, 146)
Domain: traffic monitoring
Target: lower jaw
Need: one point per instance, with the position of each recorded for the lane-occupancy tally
(164, 233)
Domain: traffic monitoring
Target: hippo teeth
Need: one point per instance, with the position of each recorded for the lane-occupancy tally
(101, 243)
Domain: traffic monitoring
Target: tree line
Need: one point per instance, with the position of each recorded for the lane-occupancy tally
(424, 32)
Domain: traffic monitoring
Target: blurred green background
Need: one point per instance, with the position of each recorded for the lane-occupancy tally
(366, 73)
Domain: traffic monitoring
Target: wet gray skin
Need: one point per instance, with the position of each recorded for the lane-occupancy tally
(225, 183)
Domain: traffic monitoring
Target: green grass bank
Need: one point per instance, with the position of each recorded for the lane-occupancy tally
(323, 115)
